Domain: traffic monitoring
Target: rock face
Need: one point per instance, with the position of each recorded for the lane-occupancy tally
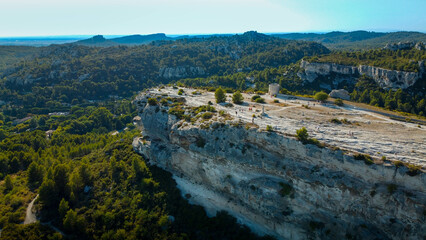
(385, 78)
(276, 185)
(341, 93)
(180, 72)
(399, 46)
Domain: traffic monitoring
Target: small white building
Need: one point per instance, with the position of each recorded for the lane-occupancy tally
(274, 89)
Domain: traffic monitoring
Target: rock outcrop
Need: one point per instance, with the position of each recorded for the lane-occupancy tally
(384, 77)
(278, 186)
(181, 72)
(341, 93)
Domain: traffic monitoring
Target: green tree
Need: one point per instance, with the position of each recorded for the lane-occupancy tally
(302, 135)
(321, 96)
(48, 194)
(63, 208)
(34, 175)
(220, 95)
(8, 184)
(237, 97)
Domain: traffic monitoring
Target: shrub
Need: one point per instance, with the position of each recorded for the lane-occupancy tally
(269, 128)
(398, 164)
(321, 96)
(364, 157)
(260, 100)
(180, 92)
(207, 115)
(339, 102)
(200, 142)
(178, 112)
(336, 121)
(286, 190)
(276, 101)
(220, 95)
(413, 169)
(152, 101)
(302, 135)
(237, 98)
(255, 97)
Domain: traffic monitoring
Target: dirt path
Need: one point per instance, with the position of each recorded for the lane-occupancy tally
(30, 216)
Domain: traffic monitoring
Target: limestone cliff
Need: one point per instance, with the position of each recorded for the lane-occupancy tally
(278, 186)
(384, 77)
(181, 72)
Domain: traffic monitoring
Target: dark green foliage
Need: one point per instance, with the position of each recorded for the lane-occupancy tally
(286, 190)
(34, 175)
(302, 135)
(152, 101)
(255, 97)
(200, 142)
(321, 96)
(8, 184)
(220, 95)
(364, 157)
(207, 115)
(180, 92)
(177, 111)
(367, 91)
(338, 102)
(31, 231)
(401, 60)
(269, 128)
(237, 97)
(260, 100)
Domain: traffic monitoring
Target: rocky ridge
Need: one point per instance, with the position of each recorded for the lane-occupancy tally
(384, 77)
(274, 183)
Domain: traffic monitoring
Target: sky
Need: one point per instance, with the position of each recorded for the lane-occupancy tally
(125, 17)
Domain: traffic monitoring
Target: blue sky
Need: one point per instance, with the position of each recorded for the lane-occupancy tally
(123, 17)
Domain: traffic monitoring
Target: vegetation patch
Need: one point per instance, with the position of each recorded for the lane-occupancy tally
(286, 190)
(364, 157)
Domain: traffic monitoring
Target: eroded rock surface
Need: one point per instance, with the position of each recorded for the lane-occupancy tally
(277, 185)
(384, 77)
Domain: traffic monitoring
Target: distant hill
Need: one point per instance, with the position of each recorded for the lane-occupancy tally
(356, 40)
(100, 41)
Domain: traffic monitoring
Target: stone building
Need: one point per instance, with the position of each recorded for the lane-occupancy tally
(274, 89)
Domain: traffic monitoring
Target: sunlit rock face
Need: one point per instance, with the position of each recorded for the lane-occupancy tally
(385, 78)
(278, 186)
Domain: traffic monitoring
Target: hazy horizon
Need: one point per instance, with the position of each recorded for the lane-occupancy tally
(27, 18)
(109, 36)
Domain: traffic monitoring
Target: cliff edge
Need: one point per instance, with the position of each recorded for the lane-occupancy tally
(272, 182)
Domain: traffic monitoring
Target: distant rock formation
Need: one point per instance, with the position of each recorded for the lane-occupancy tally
(384, 77)
(341, 93)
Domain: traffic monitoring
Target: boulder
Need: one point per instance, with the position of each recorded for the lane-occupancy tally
(340, 93)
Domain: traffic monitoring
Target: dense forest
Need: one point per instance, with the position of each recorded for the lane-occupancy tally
(92, 185)
(356, 40)
(401, 60)
(67, 74)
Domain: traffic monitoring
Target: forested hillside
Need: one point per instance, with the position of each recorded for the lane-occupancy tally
(401, 60)
(364, 89)
(69, 74)
(356, 40)
(92, 185)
